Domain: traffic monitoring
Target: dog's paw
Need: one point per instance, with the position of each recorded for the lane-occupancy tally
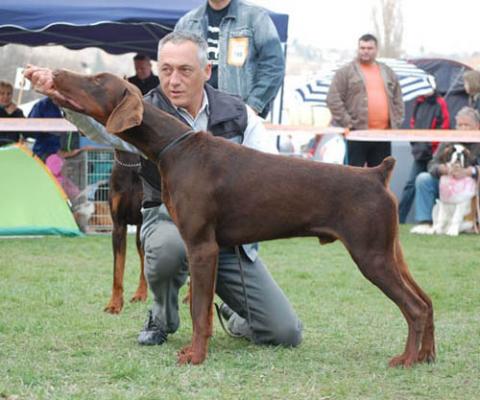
(452, 231)
(426, 356)
(114, 306)
(184, 356)
(187, 355)
(139, 296)
(422, 229)
(405, 361)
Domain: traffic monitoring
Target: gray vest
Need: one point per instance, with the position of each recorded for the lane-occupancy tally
(228, 119)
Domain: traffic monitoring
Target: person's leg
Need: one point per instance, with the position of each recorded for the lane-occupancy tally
(426, 191)
(377, 152)
(166, 271)
(408, 193)
(273, 320)
(356, 153)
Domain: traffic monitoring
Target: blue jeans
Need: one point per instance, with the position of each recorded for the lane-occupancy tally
(426, 188)
(408, 193)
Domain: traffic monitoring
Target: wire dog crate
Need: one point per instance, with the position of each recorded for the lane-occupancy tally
(99, 168)
(87, 185)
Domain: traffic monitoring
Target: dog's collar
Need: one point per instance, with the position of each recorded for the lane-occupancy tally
(174, 142)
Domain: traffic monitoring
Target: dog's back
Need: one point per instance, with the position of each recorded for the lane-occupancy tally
(260, 194)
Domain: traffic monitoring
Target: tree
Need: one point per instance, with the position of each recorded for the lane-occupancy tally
(388, 23)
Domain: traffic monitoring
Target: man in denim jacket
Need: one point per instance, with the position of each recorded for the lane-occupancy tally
(244, 49)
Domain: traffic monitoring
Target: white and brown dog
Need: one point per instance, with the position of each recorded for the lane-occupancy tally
(456, 195)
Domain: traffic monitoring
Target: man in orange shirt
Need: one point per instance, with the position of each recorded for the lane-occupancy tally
(365, 94)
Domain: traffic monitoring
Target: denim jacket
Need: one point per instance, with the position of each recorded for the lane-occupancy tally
(255, 67)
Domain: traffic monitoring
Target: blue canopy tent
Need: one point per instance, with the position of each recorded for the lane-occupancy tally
(116, 26)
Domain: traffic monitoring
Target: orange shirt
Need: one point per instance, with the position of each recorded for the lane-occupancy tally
(377, 97)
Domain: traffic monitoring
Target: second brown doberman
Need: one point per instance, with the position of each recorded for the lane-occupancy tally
(125, 201)
(221, 194)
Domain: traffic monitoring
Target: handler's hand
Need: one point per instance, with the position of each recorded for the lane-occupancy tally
(459, 172)
(42, 81)
(41, 78)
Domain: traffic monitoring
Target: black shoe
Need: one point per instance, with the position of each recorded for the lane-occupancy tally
(152, 333)
(226, 311)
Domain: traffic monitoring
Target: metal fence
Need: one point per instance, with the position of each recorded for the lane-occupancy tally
(87, 185)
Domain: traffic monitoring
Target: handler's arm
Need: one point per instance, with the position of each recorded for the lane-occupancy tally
(97, 132)
(256, 135)
(42, 81)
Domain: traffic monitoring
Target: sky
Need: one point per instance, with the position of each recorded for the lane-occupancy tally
(439, 26)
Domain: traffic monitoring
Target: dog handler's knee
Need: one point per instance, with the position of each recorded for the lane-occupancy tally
(289, 335)
(163, 262)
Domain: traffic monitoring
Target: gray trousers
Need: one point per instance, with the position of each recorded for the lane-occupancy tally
(273, 320)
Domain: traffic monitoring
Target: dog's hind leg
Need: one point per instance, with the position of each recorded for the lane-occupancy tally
(383, 270)
(141, 292)
(427, 350)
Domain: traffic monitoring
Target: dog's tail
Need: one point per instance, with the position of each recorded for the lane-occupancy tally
(384, 170)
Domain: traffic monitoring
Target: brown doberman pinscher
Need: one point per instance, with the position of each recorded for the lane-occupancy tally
(217, 192)
(125, 200)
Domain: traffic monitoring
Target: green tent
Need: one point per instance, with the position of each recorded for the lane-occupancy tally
(31, 201)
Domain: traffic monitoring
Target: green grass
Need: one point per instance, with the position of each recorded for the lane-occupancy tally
(57, 343)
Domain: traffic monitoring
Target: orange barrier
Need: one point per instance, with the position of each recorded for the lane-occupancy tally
(304, 129)
(36, 125)
(391, 135)
(382, 135)
(415, 135)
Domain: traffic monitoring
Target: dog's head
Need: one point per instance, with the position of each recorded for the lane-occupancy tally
(110, 100)
(456, 154)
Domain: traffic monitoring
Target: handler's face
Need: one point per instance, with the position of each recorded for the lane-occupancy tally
(181, 76)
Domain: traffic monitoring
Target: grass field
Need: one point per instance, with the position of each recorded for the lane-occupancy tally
(57, 343)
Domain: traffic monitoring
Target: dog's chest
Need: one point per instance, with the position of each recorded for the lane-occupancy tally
(455, 191)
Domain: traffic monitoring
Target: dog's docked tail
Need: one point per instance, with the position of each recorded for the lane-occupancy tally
(384, 170)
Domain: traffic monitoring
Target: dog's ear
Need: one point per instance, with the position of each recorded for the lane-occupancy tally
(469, 159)
(128, 113)
(446, 154)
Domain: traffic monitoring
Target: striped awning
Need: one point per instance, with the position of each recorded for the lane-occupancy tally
(413, 81)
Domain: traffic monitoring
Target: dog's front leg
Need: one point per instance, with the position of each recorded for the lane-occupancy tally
(439, 217)
(459, 213)
(203, 260)
(119, 242)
